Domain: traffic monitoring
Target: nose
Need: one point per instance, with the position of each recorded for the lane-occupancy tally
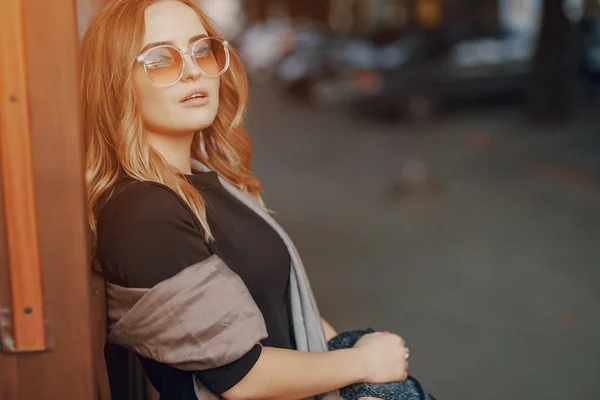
(191, 71)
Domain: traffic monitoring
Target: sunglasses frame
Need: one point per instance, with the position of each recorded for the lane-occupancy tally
(225, 43)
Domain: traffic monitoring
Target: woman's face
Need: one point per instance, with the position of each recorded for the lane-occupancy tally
(164, 109)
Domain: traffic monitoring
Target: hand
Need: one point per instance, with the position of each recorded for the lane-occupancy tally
(383, 356)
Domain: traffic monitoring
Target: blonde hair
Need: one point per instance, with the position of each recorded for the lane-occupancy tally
(115, 145)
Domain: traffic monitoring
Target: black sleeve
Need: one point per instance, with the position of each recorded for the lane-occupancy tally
(219, 380)
(147, 235)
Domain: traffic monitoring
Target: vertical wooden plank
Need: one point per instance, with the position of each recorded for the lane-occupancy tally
(8, 364)
(18, 186)
(51, 43)
(52, 83)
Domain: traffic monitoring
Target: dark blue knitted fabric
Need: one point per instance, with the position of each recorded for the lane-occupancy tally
(410, 389)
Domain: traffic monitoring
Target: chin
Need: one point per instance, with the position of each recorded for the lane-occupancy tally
(203, 124)
(198, 122)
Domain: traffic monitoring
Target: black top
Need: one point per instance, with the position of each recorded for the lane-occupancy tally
(146, 234)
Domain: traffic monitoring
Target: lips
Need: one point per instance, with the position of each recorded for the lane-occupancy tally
(194, 94)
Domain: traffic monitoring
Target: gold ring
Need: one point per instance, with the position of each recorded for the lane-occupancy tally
(407, 353)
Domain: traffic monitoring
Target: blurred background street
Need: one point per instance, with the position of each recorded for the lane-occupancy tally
(489, 268)
(438, 165)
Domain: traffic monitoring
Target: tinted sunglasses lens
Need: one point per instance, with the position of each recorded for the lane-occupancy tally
(211, 56)
(163, 65)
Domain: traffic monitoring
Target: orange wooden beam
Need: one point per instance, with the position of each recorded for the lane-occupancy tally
(16, 163)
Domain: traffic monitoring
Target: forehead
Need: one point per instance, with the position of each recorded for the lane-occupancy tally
(173, 21)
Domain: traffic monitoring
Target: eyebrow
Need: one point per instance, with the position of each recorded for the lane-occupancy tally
(151, 45)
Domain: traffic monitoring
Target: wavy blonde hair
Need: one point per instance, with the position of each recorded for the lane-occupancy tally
(115, 144)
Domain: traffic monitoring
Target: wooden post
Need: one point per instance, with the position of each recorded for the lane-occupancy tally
(16, 167)
(43, 230)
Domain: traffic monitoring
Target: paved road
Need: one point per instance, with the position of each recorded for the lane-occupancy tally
(491, 271)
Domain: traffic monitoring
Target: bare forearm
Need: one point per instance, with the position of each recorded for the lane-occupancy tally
(288, 374)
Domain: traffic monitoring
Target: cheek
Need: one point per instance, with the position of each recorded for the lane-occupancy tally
(151, 99)
(217, 95)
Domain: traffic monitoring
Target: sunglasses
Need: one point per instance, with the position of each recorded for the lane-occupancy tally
(164, 64)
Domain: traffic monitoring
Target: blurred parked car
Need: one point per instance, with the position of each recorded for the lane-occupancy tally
(315, 67)
(420, 73)
(305, 67)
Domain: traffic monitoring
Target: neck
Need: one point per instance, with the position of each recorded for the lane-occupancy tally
(175, 149)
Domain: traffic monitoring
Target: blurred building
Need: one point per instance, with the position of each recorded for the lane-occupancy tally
(359, 16)
(340, 15)
(353, 16)
(261, 10)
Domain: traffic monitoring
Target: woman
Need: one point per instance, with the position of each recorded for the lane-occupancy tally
(199, 280)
